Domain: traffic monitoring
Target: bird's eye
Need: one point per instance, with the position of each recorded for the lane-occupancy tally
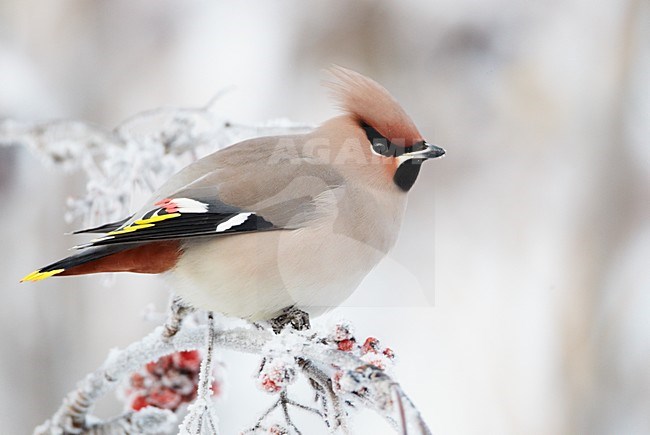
(380, 144)
(380, 147)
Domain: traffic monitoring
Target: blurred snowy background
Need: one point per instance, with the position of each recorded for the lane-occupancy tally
(518, 296)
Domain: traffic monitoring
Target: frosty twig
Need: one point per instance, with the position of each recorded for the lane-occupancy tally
(201, 417)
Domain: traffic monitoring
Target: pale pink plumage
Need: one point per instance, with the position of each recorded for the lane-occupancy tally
(369, 102)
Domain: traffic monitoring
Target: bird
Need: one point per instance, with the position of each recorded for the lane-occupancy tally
(274, 225)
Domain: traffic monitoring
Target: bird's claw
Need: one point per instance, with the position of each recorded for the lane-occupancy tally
(298, 319)
(178, 311)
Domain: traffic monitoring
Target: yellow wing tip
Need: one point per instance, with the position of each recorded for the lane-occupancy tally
(37, 275)
(141, 224)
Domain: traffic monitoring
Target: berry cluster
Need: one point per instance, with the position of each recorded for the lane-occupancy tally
(167, 383)
(276, 429)
(370, 351)
(276, 375)
(376, 357)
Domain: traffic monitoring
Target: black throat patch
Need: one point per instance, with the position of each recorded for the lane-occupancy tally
(407, 173)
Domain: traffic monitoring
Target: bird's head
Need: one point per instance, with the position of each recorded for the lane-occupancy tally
(385, 133)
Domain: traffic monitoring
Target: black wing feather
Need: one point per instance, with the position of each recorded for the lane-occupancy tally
(168, 222)
(186, 227)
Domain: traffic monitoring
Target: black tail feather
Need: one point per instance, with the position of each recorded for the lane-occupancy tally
(85, 256)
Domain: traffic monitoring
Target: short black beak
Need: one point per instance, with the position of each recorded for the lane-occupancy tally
(433, 151)
(428, 151)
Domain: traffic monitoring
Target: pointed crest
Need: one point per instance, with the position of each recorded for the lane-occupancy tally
(370, 103)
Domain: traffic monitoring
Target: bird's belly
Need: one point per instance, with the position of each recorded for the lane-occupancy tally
(256, 275)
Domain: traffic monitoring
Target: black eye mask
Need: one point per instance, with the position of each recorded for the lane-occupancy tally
(382, 146)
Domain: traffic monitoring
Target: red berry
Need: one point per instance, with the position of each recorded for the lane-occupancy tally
(159, 367)
(165, 398)
(346, 345)
(269, 385)
(277, 430)
(189, 360)
(137, 380)
(165, 362)
(389, 353)
(370, 345)
(138, 403)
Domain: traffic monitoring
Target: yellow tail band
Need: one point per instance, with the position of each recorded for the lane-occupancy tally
(38, 275)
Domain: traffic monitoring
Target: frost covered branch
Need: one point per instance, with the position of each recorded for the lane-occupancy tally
(201, 413)
(341, 376)
(135, 157)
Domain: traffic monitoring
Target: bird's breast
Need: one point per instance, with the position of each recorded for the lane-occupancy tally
(257, 275)
(315, 266)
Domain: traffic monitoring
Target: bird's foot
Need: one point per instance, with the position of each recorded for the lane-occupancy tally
(298, 319)
(178, 311)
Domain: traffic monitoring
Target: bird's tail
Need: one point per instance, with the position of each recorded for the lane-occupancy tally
(69, 263)
(140, 258)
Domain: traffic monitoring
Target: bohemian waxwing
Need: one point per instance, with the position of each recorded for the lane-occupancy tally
(274, 222)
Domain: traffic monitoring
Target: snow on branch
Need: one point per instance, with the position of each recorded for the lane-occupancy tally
(340, 378)
(135, 158)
